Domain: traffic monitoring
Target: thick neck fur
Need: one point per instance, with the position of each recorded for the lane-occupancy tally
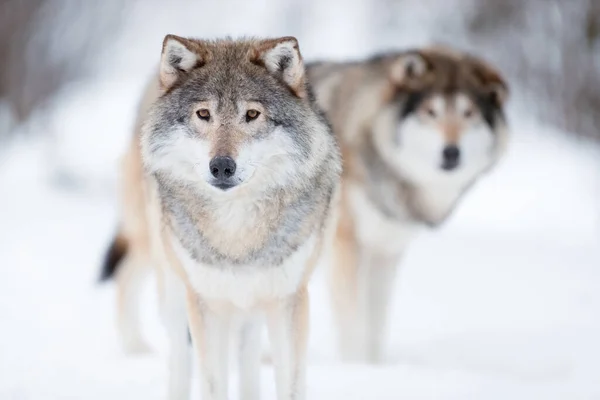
(401, 200)
(244, 229)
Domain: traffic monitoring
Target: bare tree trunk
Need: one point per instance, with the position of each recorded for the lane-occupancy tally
(553, 54)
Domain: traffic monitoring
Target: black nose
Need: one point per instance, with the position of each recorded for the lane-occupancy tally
(222, 167)
(451, 157)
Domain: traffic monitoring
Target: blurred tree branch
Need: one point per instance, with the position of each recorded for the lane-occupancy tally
(45, 44)
(593, 24)
(561, 68)
(16, 20)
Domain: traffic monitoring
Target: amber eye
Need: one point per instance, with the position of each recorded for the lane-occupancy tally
(203, 113)
(251, 115)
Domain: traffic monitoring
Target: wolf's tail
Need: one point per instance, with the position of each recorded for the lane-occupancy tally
(113, 257)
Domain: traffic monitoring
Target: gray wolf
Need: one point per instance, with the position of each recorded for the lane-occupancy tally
(229, 192)
(417, 129)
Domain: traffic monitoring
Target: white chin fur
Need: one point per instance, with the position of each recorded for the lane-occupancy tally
(262, 163)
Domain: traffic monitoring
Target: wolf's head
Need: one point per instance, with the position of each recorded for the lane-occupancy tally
(233, 114)
(444, 121)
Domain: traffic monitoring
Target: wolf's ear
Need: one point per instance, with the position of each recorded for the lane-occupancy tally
(499, 92)
(178, 58)
(407, 66)
(492, 82)
(498, 89)
(282, 58)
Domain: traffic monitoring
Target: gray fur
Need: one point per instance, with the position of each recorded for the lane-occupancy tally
(314, 197)
(227, 79)
(229, 76)
(341, 85)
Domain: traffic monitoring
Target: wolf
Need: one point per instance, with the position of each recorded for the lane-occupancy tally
(230, 191)
(416, 128)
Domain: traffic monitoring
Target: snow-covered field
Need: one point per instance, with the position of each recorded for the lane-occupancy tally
(502, 302)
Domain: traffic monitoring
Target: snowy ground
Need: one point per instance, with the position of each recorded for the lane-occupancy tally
(501, 303)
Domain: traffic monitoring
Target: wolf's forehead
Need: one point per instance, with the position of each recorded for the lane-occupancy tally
(233, 78)
(452, 77)
(456, 98)
(449, 90)
(223, 90)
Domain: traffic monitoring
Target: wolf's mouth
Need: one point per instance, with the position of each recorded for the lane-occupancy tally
(223, 185)
(449, 165)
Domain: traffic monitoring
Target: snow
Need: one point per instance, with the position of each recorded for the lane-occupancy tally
(499, 303)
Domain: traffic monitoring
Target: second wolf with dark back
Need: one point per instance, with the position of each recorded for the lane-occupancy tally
(417, 129)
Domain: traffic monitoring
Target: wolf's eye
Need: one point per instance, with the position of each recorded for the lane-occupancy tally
(468, 113)
(203, 113)
(251, 115)
(431, 112)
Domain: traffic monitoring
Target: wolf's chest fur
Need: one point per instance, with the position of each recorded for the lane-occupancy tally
(401, 201)
(245, 286)
(242, 230)
(388, 210)
(387, 219)
(243, 249)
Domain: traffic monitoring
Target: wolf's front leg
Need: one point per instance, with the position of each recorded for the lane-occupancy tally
(362, 287)
(376, 291)
(173, 312)
(288, 329)
(249, 359)
(209, 327)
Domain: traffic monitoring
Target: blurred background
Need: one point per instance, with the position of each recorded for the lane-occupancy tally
(501, 302)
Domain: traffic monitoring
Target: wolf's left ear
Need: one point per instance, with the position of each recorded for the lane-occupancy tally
(179, 57)
(497, 88)
(407, 66)
(282, 58)
(492, 82)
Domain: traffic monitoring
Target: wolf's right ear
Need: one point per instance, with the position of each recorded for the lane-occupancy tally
(178, 58)
(407, 66)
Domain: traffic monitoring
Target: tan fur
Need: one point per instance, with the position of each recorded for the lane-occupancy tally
(221, 253)
(451, 131)
(343, 279)
(354, 96)
(139, 208)
(134, 230)
(141, 224)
